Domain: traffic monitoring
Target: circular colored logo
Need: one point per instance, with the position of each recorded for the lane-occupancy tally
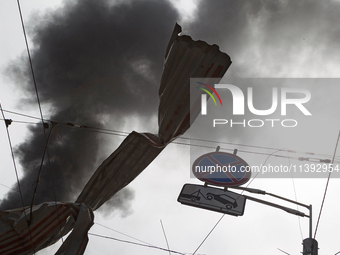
(221, 169)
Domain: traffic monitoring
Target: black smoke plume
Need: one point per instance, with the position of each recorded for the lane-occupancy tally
(99, 62)
(95, 62)
(272, 38)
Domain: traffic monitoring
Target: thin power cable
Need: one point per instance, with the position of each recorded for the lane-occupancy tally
(34, 80)
(253, 146)
(71, 125)
(236, 199)
(22, 122)
(324, 195)
(8, 187)
(21, 185)
(40, 168)
(122, 233)
(166, 239)
(121, 133)
(271, 154)
(124, 134)
(313, 160)
(208, 234)
(30, 59)
(124, 241)
(52, 181)
(40, 110)
(18, 182)
(296, 200)
(21, 114)
(283, 251)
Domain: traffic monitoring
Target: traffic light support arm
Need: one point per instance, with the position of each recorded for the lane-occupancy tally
(286, 209)
(289, 210)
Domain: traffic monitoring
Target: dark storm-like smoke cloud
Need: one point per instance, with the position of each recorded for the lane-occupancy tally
(91, 59)
(272, 38)
(267, 38)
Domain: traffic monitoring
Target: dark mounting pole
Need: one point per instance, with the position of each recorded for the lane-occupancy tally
(310, 246)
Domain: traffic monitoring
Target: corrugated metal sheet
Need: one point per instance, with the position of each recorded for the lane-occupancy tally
(184, 59)
(50, 221)
(76, 242)
(135, 153)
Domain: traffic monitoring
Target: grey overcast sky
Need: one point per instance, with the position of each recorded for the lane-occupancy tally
(98, 63)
